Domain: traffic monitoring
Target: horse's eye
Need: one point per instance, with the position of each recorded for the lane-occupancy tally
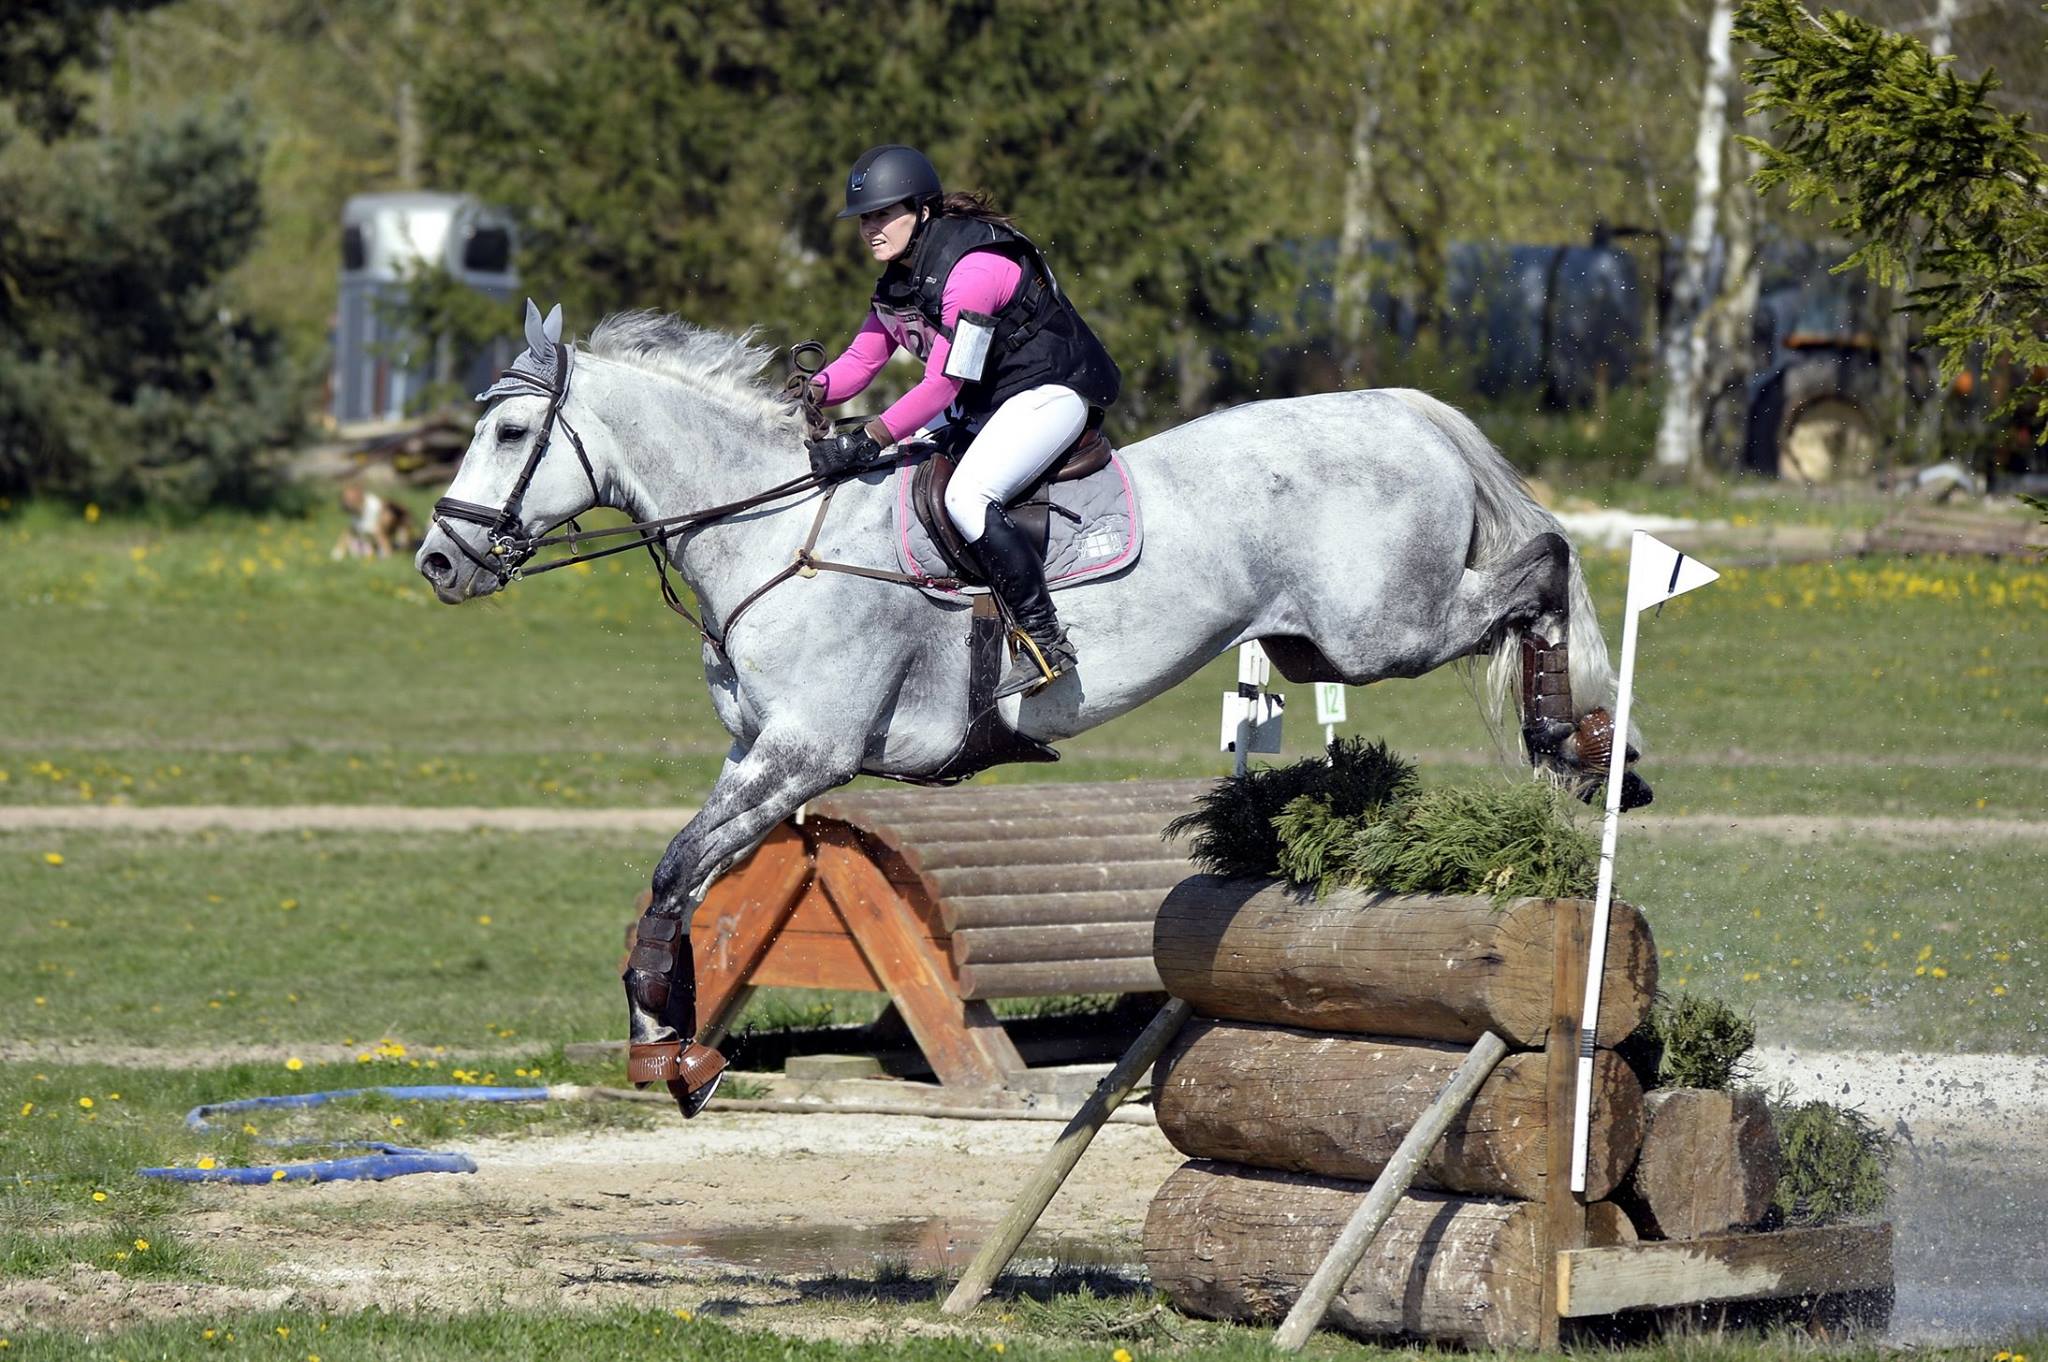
(510, 433)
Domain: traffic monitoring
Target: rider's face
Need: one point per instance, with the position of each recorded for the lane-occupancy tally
(887, 230)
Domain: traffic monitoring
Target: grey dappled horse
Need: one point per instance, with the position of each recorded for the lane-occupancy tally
(1359, 535)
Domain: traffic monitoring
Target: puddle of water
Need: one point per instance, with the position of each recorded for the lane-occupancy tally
(922, 1246)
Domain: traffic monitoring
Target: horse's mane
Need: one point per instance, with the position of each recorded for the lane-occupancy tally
(719, 365)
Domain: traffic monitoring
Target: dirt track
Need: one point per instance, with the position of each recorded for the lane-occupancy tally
(785, 1221)
(406, 818)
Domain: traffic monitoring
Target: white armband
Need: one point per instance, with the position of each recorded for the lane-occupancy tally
(974, 334)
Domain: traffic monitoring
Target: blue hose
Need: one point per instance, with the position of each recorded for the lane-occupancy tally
(195, 1119)
(390, 1160)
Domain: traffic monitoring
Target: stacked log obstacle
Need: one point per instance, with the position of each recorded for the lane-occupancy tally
(945, 900)
(1323, 1031)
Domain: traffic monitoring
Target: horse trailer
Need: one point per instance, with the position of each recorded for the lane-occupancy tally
(387, 242)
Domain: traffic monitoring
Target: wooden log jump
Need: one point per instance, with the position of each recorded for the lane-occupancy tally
(944, 901)
(1325, 1028)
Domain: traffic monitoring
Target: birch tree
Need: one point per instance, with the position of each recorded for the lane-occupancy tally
(1685, 334)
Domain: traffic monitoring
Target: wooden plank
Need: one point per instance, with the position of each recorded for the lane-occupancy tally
(1138, 822)
(1074, 941)
(1101, 906)
(1434, 967)
(1766, 1266)
(963, 1040)
(739, 920)
(1078, 877)
(815, 960)
(1133, 975)
(927, 855)
(1001, 801)
(815, 915)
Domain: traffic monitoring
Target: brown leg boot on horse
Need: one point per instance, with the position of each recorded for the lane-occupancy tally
(661, 998)
(1551, 733)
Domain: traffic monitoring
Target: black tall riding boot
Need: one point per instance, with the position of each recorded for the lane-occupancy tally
(1017, 575)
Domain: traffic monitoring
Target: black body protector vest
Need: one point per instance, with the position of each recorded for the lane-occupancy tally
(1036, 338)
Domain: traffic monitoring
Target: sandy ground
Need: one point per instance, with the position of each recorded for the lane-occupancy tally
(782, 1221)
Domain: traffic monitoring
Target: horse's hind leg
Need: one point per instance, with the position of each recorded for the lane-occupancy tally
(755, 791)
(1527, 588)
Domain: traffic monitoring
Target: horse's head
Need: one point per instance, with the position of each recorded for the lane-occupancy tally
(517, 480)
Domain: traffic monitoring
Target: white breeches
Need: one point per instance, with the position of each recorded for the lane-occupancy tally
(1016, 444)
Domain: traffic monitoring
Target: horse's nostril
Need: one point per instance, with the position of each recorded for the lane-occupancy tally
(436, 567)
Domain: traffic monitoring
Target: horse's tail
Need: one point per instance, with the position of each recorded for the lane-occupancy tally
(1505, 516)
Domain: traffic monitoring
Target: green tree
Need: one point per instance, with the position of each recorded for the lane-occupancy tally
(123, 375)
(1919, 167)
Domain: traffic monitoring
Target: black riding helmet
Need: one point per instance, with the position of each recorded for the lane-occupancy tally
(886, 175)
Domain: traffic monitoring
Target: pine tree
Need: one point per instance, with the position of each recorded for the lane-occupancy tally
(1920, 168)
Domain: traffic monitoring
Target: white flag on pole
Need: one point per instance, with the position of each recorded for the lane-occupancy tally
(1657, 572)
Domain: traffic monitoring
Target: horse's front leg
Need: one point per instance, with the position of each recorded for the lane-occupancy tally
(756, 790)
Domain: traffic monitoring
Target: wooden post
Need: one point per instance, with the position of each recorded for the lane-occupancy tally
(992, 1257)
(1344, 1255)
(965, 1043)
(1564, 1209)
(746, 910)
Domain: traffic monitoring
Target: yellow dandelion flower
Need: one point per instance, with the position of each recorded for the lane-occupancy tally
(684, 1315)
(92, 513)
(41, 1001)
(85, 1102)
(283, 1331)
(1120, 1355)
(277, 1175)
(1938, 972)
(287, 904)
(142, 1246)
(248, 1129)
(53, 858)
(397, 1121)
(295, 1064)
(206, 1333)
(206, 1162)
(113, 1097)
(998, 1347)
(27, 1107)
(99, 1196)
(483, 919)
(120, 1255)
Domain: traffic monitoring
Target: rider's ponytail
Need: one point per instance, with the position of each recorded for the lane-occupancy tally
(974, 203)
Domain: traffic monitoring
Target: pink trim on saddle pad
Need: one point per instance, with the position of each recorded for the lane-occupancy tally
(1124, 501)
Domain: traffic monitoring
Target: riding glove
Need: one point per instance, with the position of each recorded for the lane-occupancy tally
(848, 452)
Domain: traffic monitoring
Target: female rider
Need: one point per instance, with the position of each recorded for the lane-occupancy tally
(1002, 347)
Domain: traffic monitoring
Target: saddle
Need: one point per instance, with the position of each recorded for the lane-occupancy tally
(1031, 508)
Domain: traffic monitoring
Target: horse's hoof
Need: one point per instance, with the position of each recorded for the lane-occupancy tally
(691, 1071)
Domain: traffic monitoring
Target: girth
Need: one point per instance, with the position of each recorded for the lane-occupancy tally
(1031, 508)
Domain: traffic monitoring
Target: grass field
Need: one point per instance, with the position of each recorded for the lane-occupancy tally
(229, 661)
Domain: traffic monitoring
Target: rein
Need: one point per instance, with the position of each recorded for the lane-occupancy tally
(513, 548)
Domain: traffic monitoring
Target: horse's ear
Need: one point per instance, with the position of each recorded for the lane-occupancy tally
(552, 327)
(537, 339)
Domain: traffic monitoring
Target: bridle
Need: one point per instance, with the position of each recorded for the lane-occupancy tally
(511, 548)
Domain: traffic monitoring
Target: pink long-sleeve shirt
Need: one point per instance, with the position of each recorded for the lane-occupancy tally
(983, 281)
